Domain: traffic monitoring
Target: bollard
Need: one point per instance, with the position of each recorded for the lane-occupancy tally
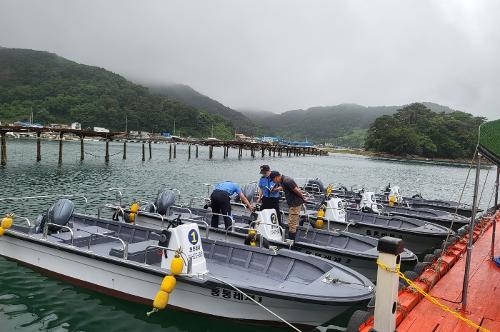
(387, 284)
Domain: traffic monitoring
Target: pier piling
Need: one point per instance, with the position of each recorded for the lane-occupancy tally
(196, 150)
(263, 152)
(60, 148)
(124, 150)
(106, 156)
(38, 147)
(3, 151)
(143, 152)
(189, 152)
(170, 152)
(82, 151)
(210, 152)
(175, 150)
(149, 149)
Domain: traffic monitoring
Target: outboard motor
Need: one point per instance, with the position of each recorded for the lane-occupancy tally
(315, 186)
(395, 196)
(267, 225)
(164, 201)
(369, 202)
(250, 192)
(186, 239)
(59, 213)
(335, 210)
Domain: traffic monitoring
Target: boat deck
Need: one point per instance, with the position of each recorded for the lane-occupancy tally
(483, 299)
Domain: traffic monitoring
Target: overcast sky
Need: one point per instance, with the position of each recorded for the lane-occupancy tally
(280, 55)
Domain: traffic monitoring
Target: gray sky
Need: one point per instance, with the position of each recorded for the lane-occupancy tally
(280, 55)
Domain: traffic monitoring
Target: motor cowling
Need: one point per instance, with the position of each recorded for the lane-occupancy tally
(334, 210)
(59, 214)
(186, 239)
(267, 225)
(164, 201)
(315, 186)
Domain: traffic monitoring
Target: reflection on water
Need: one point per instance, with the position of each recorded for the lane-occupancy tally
(30, 301)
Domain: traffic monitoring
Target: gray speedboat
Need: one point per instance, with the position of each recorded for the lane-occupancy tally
(129, 261)
(356, 251)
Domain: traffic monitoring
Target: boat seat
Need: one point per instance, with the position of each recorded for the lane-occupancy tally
(136, 252)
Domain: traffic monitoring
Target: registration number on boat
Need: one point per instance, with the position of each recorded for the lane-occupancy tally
(329, 257)
(232, 294)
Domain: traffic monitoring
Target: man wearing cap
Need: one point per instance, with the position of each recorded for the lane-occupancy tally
(269, 192)
(294, 198)
(220, 201)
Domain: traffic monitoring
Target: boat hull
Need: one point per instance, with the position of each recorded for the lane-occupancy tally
(136, 285)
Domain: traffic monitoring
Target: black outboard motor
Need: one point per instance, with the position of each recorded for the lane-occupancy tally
(315, 186)
(249, 190)
(164, 201)
(59, 213)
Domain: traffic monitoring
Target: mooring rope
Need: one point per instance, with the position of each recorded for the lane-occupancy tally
(254, 301)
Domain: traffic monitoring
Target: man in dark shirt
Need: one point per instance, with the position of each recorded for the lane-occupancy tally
(294, 198)
(269, 192)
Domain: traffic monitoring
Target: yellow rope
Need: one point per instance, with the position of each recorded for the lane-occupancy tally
(430, 298)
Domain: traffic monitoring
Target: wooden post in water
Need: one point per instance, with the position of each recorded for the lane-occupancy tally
(124, 150)
(274, 152)
(38, 147)
(189, 151)
(150, 150)
(106, 156)
(3, 152)
(175, 150)
(170, 152)
(196, 150)
(269, 150)
(60, 147)
(263, 152)
(210, 152)
(143, 152)
(82, 151)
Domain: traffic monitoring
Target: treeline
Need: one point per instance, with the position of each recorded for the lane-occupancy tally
(416, 130)
(57, 90)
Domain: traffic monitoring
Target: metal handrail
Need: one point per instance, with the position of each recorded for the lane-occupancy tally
(118, 191)
(25, 219)
(46, 230)
(182, 209)
(109, 206)
(146, 202)
(124, 244)
(188, 259)
(222, 215)
(207, 227)
(45, 196)
(191, 200)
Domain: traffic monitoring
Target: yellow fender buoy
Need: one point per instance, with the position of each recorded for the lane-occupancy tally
(2, 231)
(161, 300)
(7, 221)
(131, 217)
(134, 207)
(168, 284)
(319, 218)
(177, 264)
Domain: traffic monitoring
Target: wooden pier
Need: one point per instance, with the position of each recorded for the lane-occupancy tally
(255, 148)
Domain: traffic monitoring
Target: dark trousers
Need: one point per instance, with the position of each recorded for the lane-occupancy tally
(272, 203)
(221, 203)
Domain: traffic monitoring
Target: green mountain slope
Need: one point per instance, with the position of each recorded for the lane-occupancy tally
(188, 96)
(344, 124)
(62, 91)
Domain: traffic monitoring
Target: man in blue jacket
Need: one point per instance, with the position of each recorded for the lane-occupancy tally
(220, 201)
(269, 192)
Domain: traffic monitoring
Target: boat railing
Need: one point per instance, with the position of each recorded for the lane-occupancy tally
(209, 213)
(46, 196)
(109, 206)
(25, 219)
(207, 227)
(147, 203)
(192, 199)
(187, 259)
(123, 243)
(180, 209)
(46, 230)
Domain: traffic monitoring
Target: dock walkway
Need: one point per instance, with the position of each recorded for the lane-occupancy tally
(483, 300)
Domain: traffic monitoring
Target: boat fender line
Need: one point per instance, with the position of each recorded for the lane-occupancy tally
(7, 222)
(430, 298)
(254, 301)
(168, 284)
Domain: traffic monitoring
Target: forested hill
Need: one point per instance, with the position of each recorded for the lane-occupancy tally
(344, 124)
(57, 90)
(187, 95)
(417, 130)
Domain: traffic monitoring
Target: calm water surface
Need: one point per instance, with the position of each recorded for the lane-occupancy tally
(30, 301)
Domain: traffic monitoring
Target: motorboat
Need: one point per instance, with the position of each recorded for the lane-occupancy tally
(218, 278)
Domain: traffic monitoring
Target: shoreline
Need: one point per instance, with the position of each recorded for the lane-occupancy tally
(414, 159)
